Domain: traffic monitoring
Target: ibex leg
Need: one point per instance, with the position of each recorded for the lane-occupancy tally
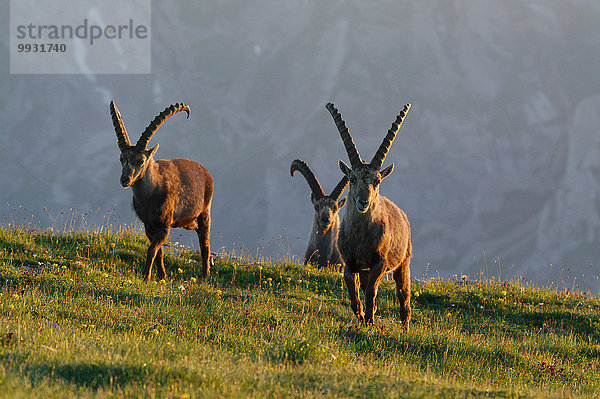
(375, 277)
(402, 279)
(364, 283)
(352, 286)
(160, 265)
(156, 242)
(204, 240)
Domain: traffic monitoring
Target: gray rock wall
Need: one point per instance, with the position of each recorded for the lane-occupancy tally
(499, 153)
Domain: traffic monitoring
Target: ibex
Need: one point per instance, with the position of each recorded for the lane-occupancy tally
(166, 193)
(322, 248)
(374, 236)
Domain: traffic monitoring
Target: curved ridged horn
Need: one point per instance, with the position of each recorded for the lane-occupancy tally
(159, 120)
(313, 183)
(346, 138)
(122, 137)
(379, 156)
(339, 189)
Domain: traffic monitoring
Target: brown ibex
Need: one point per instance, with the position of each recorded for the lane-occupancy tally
(166, 193)
(374, 236)
(322, 248)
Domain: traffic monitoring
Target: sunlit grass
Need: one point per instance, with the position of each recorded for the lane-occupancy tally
(76, 320)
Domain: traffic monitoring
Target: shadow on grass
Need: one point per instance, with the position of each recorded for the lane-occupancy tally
(101, 375)
(444, 355)
(518, 319)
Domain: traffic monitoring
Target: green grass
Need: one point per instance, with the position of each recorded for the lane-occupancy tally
(77, 321)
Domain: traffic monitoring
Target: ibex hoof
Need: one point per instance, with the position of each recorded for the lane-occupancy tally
(361, 318)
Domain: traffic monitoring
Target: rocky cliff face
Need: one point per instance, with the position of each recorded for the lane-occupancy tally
(569, 224)
(499, 153)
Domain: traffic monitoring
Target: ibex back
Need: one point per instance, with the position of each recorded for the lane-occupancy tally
(166, 193)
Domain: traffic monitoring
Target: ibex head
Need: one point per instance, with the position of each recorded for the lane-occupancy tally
(365, 177)
(135, 158)
(326, 206)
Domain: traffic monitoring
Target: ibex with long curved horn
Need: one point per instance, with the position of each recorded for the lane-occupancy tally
(166, 193)
(374, 236)
(322, 248)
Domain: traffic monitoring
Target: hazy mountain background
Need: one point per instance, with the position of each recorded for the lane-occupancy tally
(500, 153)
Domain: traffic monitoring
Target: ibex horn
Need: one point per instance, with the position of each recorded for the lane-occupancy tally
(339, 189)
(159, 120)
(122, 137)
(346, 138)
(313, 183)
(379, 156)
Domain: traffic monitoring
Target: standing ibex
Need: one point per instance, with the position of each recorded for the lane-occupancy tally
(375, 234)
(322, 248)
(166, 193)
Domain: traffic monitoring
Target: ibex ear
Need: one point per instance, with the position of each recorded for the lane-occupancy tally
(152, 151)
(386, 172)
(345, 169)
(342, 202)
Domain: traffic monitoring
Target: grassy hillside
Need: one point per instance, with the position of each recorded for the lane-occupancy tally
(76, 321)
